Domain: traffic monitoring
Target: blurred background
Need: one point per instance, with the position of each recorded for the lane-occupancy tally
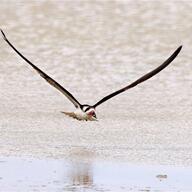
(93, 48)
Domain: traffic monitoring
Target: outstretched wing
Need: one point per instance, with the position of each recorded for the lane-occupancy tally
(143, 78)
(45, 76)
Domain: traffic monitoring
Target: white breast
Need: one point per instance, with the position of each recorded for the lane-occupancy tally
(81, 115)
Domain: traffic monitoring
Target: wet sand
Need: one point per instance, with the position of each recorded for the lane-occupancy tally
(93, 48)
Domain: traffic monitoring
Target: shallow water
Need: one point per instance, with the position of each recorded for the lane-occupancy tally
(91, 55)
(93, 48)
(19, 174)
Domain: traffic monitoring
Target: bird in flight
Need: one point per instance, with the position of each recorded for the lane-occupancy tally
(84, 111)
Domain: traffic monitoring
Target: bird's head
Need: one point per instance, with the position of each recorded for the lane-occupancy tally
(90, 112)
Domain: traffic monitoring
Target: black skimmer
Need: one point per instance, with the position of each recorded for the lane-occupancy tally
(87, 112)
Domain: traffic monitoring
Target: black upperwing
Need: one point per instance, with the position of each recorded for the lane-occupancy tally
(45, 76)
(143, 78)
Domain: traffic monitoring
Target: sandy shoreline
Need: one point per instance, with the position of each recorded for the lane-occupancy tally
(154, 138)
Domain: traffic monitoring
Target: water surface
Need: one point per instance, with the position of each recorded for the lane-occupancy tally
(18, 174)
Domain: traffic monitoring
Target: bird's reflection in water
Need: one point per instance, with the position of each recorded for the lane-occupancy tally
(81, 173)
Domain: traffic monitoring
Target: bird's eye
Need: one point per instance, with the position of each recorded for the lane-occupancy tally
(94, 114)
